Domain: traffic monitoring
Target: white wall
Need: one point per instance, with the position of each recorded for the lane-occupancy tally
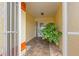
(23, 26)
(30, 27)
(45, 20)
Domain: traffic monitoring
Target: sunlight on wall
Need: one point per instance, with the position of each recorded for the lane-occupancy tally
(23, 27)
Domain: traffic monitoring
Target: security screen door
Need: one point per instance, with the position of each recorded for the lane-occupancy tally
(11, 28)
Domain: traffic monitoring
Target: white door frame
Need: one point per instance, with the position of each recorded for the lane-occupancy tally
(19, 29)
(5, 28)
(64, 17)
(64, 27)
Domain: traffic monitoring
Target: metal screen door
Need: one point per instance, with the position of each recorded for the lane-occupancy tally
(11, 29)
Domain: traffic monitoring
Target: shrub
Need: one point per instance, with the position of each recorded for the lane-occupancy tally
(51, 33)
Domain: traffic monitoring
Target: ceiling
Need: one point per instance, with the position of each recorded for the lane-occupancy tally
(36, 8)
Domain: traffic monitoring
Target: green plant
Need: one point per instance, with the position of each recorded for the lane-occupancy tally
(50, 33)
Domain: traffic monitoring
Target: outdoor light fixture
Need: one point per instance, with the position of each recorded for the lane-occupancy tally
(42, 13)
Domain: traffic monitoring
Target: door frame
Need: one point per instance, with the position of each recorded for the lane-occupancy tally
(64, 27)
(5, 28)
(19, 29)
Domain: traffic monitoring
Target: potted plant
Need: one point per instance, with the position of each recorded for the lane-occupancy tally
(50, 33)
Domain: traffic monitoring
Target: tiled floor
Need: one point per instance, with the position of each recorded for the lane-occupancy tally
(41, 47)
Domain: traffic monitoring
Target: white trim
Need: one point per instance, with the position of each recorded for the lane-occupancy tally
(64, 16)
(19, 29)
(73, 33)
(5, 30)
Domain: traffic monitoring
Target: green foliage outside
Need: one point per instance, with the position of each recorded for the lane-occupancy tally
(50, 33)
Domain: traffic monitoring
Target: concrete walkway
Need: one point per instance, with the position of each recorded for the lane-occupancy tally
(39, 47)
